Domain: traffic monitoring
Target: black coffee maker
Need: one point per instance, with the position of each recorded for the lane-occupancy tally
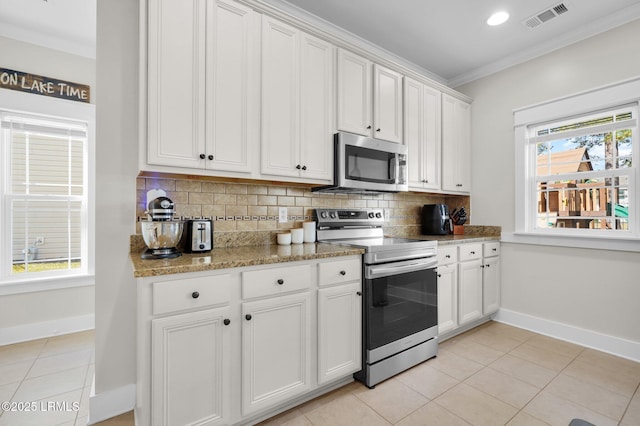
(436, 220)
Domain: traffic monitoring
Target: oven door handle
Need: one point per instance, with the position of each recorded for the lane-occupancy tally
(396, 268)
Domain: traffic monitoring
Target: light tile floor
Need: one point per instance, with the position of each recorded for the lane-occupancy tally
(492, 375)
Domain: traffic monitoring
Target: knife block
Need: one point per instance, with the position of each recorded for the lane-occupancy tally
(458, 229)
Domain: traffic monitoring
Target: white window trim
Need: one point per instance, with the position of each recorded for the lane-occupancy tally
(11, 100)
(606, 97)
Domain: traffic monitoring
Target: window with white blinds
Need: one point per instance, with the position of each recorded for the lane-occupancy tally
(583, 172)
(44, 195)
(576, 170)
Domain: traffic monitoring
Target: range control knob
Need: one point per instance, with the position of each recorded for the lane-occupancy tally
(371, 215)
(323, 215)
(334, 215)
(378, 215)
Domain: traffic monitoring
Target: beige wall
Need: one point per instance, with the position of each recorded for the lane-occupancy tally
(590, 289)
(26, 309)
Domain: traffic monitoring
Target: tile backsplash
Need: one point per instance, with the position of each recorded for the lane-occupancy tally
(253, 206)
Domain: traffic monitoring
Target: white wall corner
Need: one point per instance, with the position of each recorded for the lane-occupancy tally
(111, 403)
(40, 330)
(580, 336)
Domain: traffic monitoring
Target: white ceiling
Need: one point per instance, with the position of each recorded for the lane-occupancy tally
(448, 38)
(67, 25)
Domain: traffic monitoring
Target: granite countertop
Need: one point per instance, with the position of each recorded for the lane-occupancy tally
(235, 257)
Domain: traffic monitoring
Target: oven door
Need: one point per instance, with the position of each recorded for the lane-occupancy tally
(401, 300)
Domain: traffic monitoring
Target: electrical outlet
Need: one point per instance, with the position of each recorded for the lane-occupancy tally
(387, 214)
(39, 240)
(282, 215)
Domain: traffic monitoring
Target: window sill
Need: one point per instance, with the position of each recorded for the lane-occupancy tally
(594, 243)
(45, 284)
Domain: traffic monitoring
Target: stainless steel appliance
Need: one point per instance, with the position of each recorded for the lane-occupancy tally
(400, 300)
(197, 236)
(161, 232)
(436, 220)
(366, 165)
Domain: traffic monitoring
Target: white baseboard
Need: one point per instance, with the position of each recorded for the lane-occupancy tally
(591, 339)
(112, 403)
(39, 330)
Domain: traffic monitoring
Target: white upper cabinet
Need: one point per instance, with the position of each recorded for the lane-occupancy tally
(387, 104)
(369, 98)
(202, 84)
(297, 102)
(456, 145)
(422, 134)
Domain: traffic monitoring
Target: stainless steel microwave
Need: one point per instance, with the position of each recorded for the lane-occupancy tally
(365, 165)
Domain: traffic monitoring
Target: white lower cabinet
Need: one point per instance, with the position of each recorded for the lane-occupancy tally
(468, 284)
(190, 363)
(276, 350)
(339, 331)
(230, 346)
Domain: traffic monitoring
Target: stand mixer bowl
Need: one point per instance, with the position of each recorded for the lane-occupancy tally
(161, 234)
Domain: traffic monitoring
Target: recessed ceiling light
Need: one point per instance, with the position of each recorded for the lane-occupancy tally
(498, 18)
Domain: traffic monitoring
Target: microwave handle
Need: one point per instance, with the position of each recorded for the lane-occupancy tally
(393, 168)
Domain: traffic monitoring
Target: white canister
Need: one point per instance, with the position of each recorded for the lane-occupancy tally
(297, 235)
(284, 238)
(309, 231)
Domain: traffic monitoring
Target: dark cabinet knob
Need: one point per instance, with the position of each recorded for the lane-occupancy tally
(472, 252)
(280, 281)
(377, 130)
(488, 266)
(210, 157)
(482, 266)
(368, 127)
(359, 293)
(298, 167)
(195, 294)
(304, 167)
(448, 256)
(226, 321)
(343, 272)
(202, 156)
(439, 275)
(248, 317)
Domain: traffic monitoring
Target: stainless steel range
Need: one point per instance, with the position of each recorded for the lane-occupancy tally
(400, 303)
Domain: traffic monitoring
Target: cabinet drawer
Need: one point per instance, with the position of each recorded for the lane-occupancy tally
(170, 296)
(266, 282)
(469, 252)
(491, 249)
(339, 271)
(447, 255)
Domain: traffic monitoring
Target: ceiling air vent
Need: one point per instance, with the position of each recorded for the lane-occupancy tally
(545, 15)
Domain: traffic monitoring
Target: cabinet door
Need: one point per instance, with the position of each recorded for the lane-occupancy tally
(276, 350)
(280, 106)
(354, 94)
(491, 285)
(469, 291)
(387, 104)
(316, 107)
(447, 298)
(422, 134)
(339, 331)
(176, 83)
(232, 86)
(456, 145)
(190, 368)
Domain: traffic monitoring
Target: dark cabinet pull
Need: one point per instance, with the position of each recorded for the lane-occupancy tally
(226, 321)
(482, 266)
(343, 272)
(439, 275)
(369, 126)
(359, 293)
(377, 130)
(304, 167)
(472, 252)
(195, 294)
(448, 256)
(298, 167)
(210, 157)
(494, 249)
(488, 266)
(248, 317)
(202, 156)
(280, 281)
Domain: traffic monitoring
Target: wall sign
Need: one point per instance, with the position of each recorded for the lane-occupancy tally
(32, 83)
